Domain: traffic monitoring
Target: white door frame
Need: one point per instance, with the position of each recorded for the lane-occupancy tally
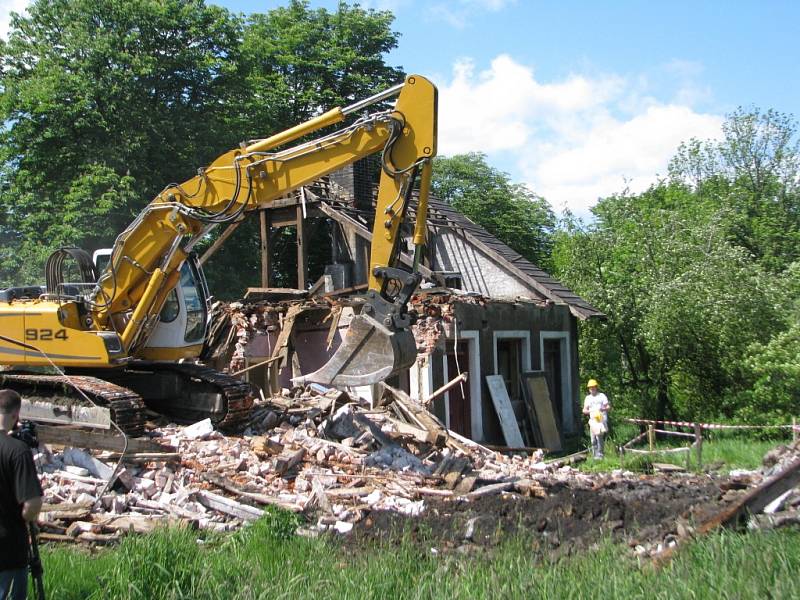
(514, 334)
(567, 401)
(472, 337)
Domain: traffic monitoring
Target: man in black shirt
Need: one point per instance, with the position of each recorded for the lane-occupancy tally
(20, 501)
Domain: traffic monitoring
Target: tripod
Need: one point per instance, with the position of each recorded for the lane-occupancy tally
(35, 562)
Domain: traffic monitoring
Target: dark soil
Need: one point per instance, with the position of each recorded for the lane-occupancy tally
(632, 510)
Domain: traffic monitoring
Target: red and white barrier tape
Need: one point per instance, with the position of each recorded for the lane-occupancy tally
(711, 425)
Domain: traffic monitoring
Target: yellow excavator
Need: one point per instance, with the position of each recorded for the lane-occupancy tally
(120, 332)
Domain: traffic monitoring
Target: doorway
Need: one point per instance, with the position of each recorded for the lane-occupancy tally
(458, 398)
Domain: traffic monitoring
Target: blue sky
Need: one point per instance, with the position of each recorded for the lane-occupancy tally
(581, 99)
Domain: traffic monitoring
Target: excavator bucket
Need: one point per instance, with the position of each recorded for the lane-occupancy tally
(369, 353)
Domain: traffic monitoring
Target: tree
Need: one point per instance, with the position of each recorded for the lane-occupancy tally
(295, 63)
(509, 211)
(683, 304)
(698, 277)
(106, 101)
(753, 174)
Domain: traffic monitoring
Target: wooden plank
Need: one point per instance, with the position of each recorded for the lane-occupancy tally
(218, 242)
(302, 250)
(228, 506)
(532, 420)
(226, 484)
(98, 440)
(265, 249)
(535, 385)
(502, 405)
(420, 414)
(488, 490)
(421, 435)
(757, 499)
(46, 412)
(274, 294)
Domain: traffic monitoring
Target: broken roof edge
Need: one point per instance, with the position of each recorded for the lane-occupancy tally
(516, 264)
(538, 280)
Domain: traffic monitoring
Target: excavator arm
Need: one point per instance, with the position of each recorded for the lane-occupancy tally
(146, 259)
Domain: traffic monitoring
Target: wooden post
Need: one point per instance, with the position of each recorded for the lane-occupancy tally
(698, 435)
(264, 219)
(795, 432)
(302, 251)
(651, 437)
(689, 459)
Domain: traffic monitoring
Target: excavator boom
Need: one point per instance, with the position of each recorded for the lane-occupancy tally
(112, 323)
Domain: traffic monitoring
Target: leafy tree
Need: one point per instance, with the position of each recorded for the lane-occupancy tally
(295, 63)
(698, 278)
(105, 102)
(770, 388)
(753, 174)
(509, 211)
(683, 304)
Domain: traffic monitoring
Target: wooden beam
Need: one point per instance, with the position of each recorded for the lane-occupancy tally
(228, 506)
(756, 499)
(86, 416)
(264, 222)
(352, 225)
(219, 241)
(302, 250)
(79, 438)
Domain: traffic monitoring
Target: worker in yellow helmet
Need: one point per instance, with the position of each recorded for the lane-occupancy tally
(596, 407)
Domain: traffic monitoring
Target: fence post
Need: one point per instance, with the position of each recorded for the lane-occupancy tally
(698, 437)
(651, 437)
(795, 431)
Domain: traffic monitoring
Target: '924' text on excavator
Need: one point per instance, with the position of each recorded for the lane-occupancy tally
(121, 335)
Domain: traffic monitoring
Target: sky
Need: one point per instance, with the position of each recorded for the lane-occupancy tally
(583, 99)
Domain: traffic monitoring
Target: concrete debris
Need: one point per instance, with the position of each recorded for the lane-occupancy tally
(341, 462)
(292, 454)
(198, 431)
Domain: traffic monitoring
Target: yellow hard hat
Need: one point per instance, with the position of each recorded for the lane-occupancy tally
(592, 383)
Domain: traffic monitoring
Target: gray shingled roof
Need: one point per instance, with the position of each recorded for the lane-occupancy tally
(442, 215)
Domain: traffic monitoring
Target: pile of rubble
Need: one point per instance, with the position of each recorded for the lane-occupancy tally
(313, 451)
(346, 465)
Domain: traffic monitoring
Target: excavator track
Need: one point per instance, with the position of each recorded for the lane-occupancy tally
(237, 394)
(188, 392)
(126, 407)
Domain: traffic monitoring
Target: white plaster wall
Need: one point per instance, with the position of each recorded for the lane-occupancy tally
(479, 272)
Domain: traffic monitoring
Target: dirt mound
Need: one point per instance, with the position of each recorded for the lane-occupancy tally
(567, 517)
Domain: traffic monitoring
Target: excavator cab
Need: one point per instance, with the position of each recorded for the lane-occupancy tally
(183, 320)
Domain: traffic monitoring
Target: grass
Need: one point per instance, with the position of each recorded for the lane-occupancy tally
(262, 561)
(721, 450)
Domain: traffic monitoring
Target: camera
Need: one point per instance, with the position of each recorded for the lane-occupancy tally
(25, 431)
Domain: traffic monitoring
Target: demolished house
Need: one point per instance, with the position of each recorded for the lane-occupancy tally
(483, 310)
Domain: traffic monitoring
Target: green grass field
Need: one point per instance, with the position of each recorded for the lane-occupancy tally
(721, 451)
(263, 562)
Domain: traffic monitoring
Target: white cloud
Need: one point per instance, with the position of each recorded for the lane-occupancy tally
(459, 14)
(6, 8)
(572, 140)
